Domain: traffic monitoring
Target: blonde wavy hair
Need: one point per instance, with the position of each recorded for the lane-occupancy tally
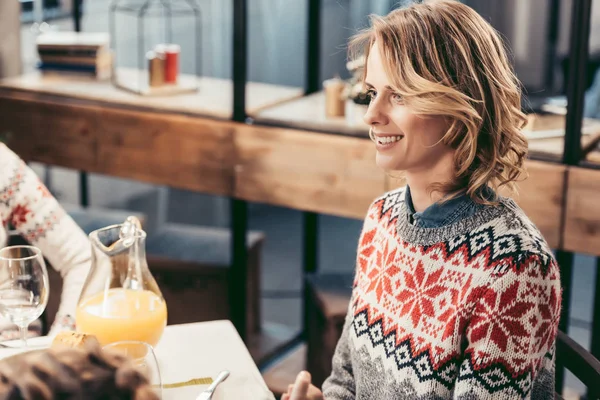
(446, 60)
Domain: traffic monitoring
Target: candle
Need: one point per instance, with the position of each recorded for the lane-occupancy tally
(170, 53)
(172, 63)
(334, 100)
(156, 68)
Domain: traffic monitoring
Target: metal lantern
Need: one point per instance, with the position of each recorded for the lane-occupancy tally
(157, 61)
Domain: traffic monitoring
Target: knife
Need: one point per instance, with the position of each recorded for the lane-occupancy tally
(207, 394)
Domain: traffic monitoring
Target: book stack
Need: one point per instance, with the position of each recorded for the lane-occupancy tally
(86, 53)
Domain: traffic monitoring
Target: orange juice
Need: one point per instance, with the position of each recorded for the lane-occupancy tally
(123, 314)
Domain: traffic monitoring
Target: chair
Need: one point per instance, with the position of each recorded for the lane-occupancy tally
(582, 364)
(327, 298)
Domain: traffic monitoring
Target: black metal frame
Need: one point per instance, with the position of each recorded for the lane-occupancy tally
(77, 15)
(595, 334)
(310, 226)
(578, 57)
(553, 31)
(83, 176)
(239, 208)
(595, 345)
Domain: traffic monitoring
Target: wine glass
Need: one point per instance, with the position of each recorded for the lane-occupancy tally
(24, 286)
(143, 357)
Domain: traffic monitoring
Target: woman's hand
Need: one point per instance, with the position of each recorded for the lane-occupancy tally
(302, 389)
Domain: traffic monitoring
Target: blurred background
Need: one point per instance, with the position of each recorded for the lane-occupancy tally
(539, 32)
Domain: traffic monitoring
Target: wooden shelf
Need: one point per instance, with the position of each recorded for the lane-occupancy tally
(308, 112)
(213, 99)
(546, 135)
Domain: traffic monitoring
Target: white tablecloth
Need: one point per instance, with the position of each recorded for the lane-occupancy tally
(200, 350)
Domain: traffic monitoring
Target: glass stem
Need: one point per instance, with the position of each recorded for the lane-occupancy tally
(23, 332)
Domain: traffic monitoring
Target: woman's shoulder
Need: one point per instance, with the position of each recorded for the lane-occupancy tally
(6, 152)
(515, 231)
(388, 204)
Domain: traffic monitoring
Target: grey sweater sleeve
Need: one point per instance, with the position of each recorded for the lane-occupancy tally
(340, 384)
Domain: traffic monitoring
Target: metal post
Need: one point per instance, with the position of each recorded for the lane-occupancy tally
(311, 241)
(240, 49)
(310, 230)
(313, 64)
(553, 31)
(313, 47)
(83, 176)
(578, 57)
(239, 276)
(595, 345)
(77, 15)
(565, 261)
(239, 208)
(83, 189)
(311, 220)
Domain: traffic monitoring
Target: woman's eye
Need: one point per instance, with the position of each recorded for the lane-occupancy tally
(397, 98)
(371, 94)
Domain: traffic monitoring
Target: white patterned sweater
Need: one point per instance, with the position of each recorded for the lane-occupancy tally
(36, 215)
(465, 311)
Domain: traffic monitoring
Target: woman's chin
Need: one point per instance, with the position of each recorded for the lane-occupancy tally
(388, 163)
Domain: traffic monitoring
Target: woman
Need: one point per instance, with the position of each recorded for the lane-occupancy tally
(34, 213)
(456, 294)
(75, 374)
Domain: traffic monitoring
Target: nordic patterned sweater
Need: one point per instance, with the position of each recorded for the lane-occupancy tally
(469, 310)
(37, 216)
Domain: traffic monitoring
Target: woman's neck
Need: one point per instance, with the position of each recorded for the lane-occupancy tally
(420, 183)
(420, 194)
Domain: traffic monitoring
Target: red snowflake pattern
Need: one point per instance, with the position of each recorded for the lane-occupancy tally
(418, 295)
(382, 270)
(500, 317)
(19, 215)
(43, 190)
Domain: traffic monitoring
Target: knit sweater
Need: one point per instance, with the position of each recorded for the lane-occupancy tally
(469, 310)
(35, 214)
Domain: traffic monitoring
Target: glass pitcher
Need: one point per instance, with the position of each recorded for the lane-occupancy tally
(120, 299)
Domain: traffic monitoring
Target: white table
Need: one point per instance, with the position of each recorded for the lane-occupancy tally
(200, 350)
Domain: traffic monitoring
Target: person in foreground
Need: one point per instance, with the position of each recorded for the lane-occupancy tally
(73, 374)
(456, 294)
(38, 218)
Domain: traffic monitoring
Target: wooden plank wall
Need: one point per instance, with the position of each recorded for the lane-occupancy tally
(582, 214)
(183, 152)
(307, 171)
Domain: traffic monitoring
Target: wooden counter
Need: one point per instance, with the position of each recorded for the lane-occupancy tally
(307, 113)
(213, 99)
(582, 222)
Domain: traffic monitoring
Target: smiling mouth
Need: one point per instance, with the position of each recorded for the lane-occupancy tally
(384, 140)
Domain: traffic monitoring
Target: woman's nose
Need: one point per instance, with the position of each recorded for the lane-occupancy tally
(375, 115)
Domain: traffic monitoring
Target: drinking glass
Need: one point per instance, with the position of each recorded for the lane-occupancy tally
(24, 286)
(143, 357)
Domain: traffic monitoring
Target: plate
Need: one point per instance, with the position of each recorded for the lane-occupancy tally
(33, 344)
